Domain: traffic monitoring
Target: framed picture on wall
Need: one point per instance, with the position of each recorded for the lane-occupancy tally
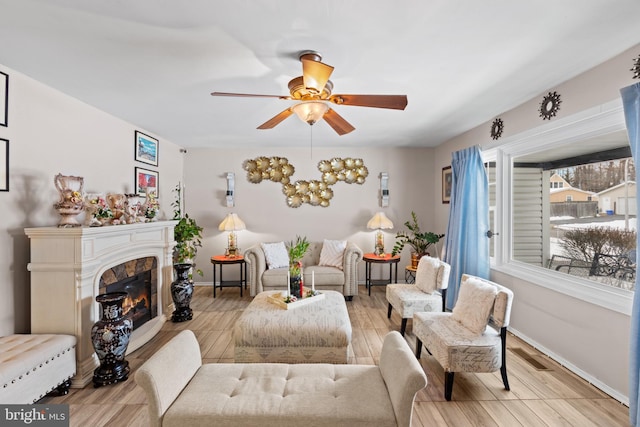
(4, 99)
(146, 149)
(447, 178)
(144, 179)
(4, 164)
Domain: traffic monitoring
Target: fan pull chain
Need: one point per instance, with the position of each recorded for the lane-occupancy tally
(311, 144)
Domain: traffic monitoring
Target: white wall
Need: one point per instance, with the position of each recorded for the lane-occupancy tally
(589, 339)
(51, 133)
(264, 209)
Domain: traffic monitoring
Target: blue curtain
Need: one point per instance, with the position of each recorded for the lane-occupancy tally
(466, 242)
(631, 103)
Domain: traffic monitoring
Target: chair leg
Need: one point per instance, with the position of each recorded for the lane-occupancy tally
(403, 326)
(503, 368)
(448, 385)
(389, 311)
(418, 347)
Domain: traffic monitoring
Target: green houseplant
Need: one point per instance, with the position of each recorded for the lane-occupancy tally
(418, 240)
(187, 234)
(296, 250)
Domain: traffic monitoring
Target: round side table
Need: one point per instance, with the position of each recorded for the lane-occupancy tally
(221, 260)
(371, 258)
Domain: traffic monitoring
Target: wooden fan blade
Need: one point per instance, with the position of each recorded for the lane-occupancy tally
(315, 74)
(395, 102)
(249, 95)
(272, 122)
(339, 124)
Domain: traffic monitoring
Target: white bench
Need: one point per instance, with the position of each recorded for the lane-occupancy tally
(32, 366)
(181, 391)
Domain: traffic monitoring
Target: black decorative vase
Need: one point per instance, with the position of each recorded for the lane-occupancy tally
(181, 293)
(295, 279)
(110, 338)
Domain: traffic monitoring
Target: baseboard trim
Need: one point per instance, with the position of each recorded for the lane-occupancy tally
(570, 366)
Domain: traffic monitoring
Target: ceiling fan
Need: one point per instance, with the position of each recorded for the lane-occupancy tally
(313, 90)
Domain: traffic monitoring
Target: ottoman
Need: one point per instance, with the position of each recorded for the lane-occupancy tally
(318, 332)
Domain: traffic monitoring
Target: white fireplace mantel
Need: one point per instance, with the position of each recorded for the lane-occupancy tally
(66, 266)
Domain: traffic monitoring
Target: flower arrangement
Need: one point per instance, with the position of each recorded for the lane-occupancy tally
(100, 208)
(152, 206)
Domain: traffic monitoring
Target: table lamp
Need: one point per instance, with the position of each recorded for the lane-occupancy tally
(379, 222)
(232, 223)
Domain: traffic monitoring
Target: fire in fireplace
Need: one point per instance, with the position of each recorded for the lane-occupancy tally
(138, 278)
(138, 304)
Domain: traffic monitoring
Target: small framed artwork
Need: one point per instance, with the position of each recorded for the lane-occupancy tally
(447, 181)
(146, 149)
(4, 164)
(146, 178)
(4, 99)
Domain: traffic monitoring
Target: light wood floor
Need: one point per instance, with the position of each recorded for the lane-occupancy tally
(551, 397)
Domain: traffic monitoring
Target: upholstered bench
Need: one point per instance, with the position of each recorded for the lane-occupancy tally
(318, 332)
(181, 391)
(32, 366)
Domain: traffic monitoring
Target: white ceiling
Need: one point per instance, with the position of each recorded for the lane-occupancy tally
(154, 63)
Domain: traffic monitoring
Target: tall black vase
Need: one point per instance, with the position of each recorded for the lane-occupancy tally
(110, 338)
(181, 293)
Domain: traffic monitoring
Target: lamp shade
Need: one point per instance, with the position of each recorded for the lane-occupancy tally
(310, 111)
(232, 222)
(379, 221)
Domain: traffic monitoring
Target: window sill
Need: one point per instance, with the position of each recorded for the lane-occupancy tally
(619, 300)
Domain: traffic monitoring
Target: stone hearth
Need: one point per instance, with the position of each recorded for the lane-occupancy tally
(67, 266)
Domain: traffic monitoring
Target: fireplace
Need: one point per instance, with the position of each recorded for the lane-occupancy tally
(138, 278)
(71, 266)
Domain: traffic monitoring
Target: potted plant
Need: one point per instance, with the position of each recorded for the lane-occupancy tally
(418, 240)
(296, 250)
(187, 234)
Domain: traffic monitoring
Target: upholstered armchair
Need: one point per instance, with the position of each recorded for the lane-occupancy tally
(472, 338)
(428, 293)
(329, 269)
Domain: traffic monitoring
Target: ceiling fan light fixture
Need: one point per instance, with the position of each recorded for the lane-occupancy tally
(311, 111)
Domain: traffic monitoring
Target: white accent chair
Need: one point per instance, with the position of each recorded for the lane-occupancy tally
(428, 293)
(473, 337)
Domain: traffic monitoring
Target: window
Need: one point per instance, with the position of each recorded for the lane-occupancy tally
(557, 179)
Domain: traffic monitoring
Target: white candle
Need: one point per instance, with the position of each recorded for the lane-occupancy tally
(313, 281)
(288, 285)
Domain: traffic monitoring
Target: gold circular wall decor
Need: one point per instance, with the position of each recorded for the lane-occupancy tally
(550, 105)
(313, 192)
(496, 128)
(636, 68)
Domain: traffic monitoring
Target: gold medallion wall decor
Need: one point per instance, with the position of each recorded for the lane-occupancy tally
(550, 105)
(496, 128)
(636, 68)
(314, 192)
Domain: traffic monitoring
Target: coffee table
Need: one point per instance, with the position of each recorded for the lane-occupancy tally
(318, 332)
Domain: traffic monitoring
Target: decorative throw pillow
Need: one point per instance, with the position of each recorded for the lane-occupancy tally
(332, 253)
(276, 254)
(427, 274)
(474, 305)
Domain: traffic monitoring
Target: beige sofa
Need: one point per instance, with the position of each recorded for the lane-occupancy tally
(181, 391)
(343, 280)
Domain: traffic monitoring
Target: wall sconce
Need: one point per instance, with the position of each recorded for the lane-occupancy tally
(384, 189)
(230, 189)
(379, 222)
